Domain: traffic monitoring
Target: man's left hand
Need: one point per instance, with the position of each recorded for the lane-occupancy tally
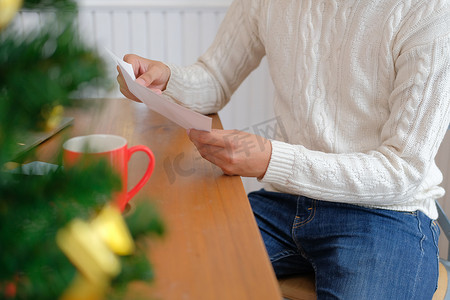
(235, 152)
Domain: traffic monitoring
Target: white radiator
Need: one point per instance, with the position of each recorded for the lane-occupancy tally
(175, 31)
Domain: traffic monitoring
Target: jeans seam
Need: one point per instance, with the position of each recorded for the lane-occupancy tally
(423, 235)
(295, 226)
(419, 265)
(435, 232)
(283, 254)
(308, 219)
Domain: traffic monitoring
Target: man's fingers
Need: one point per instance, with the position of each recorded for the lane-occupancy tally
(151, 79)
(156, 91)
(124, 88)
(216, 137)
(218, 156)
(141, 68)
(235, 152)
(149, 73)
(135, 61)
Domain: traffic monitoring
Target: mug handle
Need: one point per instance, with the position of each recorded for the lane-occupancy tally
(151, 164)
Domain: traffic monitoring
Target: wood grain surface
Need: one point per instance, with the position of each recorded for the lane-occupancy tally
(212, 248)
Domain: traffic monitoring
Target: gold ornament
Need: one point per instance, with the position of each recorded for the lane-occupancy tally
(8, 9)
(92, 248)
(87, 252)
(111, 227)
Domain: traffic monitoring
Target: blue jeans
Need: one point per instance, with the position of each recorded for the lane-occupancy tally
(354, 252)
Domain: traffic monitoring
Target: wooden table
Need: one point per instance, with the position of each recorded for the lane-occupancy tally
(212, 248)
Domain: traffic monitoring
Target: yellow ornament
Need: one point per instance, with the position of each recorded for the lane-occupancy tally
(8, 9)
(111, 227)
(92, 248)
(88, 252)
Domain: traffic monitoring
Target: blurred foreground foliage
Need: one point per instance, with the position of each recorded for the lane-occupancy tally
(40, 70)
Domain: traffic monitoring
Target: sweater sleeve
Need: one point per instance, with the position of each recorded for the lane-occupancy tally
(403, 165)
(207, 85)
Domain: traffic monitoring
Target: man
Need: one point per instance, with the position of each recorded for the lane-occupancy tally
(363, 91)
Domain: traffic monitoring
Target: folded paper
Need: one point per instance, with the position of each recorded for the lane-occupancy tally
(180, 115)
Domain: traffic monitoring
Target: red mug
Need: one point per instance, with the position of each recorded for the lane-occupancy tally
(115, 150)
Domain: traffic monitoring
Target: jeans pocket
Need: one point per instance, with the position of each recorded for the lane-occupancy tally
(306, 211)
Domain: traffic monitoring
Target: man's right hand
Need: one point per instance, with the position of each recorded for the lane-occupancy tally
(149, 73)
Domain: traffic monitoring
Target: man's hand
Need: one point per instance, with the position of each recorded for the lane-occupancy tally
(149, 73)
(235, 152)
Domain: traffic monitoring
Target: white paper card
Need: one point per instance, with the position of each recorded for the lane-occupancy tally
(180, 115)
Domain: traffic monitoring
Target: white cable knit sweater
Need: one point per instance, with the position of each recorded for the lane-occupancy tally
(362, 88)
